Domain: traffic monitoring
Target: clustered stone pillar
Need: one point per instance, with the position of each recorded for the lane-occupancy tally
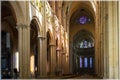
(119, 37)
(107, 63)
(42, 57)
(113, 39)
(42, 46)
(64, 62)
(59, 59)
(53, 58)
(96, 43)
(24, 50)
(104, 40)
(100, 43)
(102, 17)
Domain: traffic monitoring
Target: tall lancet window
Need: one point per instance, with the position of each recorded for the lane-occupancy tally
(81, 62)
(85, 62)
(91, 62)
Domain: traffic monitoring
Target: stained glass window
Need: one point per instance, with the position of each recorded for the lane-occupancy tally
(89, 44)
(91, 62)
(84, 19)
(81, 45)
(86, 44)
(85, 62)
(80, 62)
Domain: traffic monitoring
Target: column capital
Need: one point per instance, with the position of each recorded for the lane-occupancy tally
(58, 49)
(41, 37)
(20, 25)
(63, 52)
(52, 44)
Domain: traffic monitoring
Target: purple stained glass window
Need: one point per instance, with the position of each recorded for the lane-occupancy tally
(83, 20)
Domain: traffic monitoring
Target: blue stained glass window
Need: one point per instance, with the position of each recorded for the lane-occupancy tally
(91, 62)
(80, 62)
(85, 62)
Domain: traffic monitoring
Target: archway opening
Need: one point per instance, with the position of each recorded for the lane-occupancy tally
(48, 54)
(84, 53)
(81, 38)
(9, 42)
(34, 48)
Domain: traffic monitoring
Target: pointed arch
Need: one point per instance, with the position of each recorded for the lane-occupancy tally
(49, 33)
(38, 25)
(17, 11)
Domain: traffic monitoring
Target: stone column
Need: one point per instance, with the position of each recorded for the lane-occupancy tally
(96, 42)
(42, 57)
(119, 38)
(105, 39)
(64, 62)
(42, 46)
(53, 59)
(59, 59)
(113, 39)
(24, 50)
(99, 45)
(103, 57)
(65, 57)
(116, 53)
(110, 38)
(60, 63)
(101, 38)
(20, 48)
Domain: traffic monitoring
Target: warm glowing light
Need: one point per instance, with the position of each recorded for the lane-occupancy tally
(32, 64)
(30, 12)
(16, 61)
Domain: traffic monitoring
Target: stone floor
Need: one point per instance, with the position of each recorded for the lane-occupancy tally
(85, 76)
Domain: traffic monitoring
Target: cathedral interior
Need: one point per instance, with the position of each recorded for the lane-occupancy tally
(60, 39)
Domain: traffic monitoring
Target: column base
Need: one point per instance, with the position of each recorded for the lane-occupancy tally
(42, 77)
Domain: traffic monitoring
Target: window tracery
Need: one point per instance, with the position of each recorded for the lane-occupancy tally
(85, 44)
